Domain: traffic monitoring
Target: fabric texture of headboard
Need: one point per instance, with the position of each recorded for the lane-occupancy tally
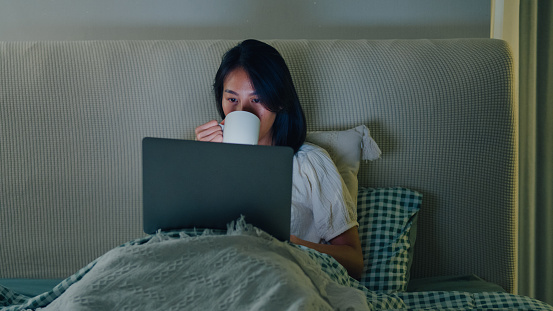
(73, 114)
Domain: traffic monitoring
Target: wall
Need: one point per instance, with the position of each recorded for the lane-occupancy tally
(238, 19)
(505, 26)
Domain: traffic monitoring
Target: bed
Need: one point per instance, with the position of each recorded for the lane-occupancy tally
(423, 132)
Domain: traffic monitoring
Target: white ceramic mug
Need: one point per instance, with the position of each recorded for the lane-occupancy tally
(241, 127)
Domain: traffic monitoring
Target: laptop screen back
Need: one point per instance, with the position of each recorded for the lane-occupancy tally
(189, 184)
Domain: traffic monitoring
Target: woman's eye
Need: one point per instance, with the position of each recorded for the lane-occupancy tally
(232, 100)
(256, 100)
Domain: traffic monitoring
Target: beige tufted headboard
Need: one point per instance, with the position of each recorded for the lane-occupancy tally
(72, 116)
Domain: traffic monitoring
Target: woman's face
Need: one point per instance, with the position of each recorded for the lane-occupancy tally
(239, 95)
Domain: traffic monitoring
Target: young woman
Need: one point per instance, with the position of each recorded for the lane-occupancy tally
(254, 77)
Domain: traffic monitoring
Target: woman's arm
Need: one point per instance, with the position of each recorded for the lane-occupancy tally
(345, 248)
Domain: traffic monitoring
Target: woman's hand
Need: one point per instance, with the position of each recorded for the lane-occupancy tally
(210, 131)
(345, 248)
(294, 239)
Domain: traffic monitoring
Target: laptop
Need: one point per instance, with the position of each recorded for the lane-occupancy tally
(193, 184)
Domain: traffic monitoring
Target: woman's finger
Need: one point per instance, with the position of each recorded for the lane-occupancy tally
(209, 131)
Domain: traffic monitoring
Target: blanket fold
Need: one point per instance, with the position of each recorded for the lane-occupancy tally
(242, 268)
(245, 269)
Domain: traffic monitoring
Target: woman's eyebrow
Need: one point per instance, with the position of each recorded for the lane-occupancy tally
(231, 92)
(234, 93)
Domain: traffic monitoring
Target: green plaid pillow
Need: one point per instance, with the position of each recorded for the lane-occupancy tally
(387, 230)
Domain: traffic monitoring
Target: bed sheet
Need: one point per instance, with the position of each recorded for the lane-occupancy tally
(30, 287)
(465, 283)
(268, 270)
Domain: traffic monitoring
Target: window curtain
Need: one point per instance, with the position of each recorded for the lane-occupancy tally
(536, 149)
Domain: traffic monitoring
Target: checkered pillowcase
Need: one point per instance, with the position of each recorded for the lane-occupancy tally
(387, 230)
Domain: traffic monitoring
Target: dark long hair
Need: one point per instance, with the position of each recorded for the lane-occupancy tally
(273, 84)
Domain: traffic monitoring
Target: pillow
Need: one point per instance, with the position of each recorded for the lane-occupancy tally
(346, 148)
(387, 230)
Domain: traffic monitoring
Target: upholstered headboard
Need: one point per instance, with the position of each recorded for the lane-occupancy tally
(72, 116)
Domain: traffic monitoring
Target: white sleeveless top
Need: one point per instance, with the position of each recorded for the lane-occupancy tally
(322, 207)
